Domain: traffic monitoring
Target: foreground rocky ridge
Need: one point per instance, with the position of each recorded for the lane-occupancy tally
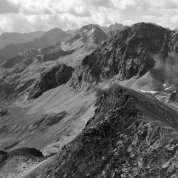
(131, 135)
(24, 158)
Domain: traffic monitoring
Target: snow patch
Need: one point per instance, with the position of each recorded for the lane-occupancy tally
(151, 92)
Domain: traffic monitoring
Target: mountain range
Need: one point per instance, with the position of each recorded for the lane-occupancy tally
(16, 38)
(49, 38)
(95, 103)
(12, 44)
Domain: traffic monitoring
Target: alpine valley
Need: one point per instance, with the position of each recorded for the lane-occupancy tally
(97, 102)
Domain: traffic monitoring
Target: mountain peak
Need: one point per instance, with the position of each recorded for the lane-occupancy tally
(147, 27)
(89, 29)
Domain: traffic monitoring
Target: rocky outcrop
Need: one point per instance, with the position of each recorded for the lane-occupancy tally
(53, 77)
(23, 160)
(125, 56)
(131, 135)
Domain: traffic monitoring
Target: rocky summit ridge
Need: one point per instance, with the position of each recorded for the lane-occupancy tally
(130, 135)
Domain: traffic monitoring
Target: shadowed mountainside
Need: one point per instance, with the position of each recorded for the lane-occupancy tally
(52, 78)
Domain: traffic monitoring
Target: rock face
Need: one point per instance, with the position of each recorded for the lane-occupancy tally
(56, 76)
(49, 38)
(131, 135)
(127, 55)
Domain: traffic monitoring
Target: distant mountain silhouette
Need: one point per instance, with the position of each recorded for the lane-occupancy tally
(49, 38)
(16, 38)
(112, 27)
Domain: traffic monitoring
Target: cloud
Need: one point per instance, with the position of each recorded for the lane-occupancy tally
(166, 20)
(163, 4)
(31, 15)
(79, 11)
(128, 22)
(45, 14)
(98, 3)
(8, 7)
(123, 4)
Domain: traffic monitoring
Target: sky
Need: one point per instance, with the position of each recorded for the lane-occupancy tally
(42, 15)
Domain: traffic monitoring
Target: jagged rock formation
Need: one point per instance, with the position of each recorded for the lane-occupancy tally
(53, 77)
(49, 38)
(16, 38)
(131, 135)
(128, 55)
